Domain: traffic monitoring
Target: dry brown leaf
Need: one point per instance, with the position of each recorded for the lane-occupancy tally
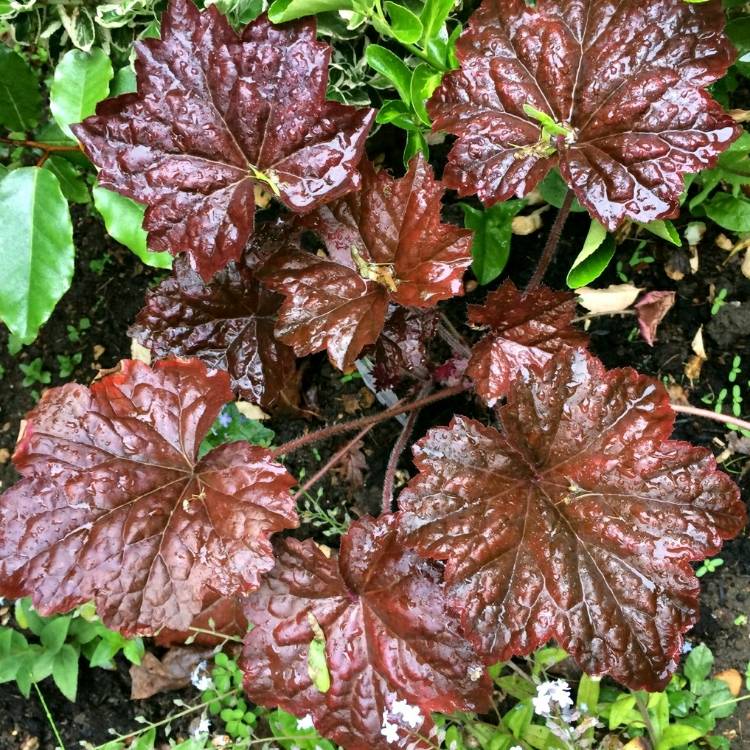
(697, 344)
(693, 367)
(745, 267)
(732, 679)
(137, 351)
(172, 672)
(528, 224)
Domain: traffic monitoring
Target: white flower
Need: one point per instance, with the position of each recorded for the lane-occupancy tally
(389, 731)
(200, 677)
(549, 694)
(411, 715)
(306, 722)
(516, 747)
(203, 728)
(687, 647)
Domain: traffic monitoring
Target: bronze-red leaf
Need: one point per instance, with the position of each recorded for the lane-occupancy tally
(651, 309)
(623, 80)
(578, 522)
(385, 242)
(217, 116)
(525, 330)
(389, 639)
(228, 323)
(115, 506)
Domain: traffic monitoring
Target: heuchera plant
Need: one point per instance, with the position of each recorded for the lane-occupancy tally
(575, 517)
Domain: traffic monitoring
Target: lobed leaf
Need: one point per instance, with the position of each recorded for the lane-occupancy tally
(525, 330)
(218, 119)
(388, 638)
(611, 92)
(578, 522)
(227, 323)
(385, 243)
(114, 505)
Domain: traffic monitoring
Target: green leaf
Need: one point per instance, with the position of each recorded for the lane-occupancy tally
(73, 186)
(317, 667)
(20, 100)
(81, 82)
(79, 23)
(698, 665)
(621, 710)
(516, 687)
(287, 10)
(383, 61)
(124, 82)
(103, 654)
(27, 617)
(54, 633)
(415, 142)
(664, 229)
(123, 219)
(424, 81)
(433, 16)
(146, 741)
(729, 211)
(519, 717)
(588, 693)
(41, 664)
(597, 252)
(676, 735)
(398, 113)
(36, 249)
(490, 247)
(658, 709)
(134, 650)
(715, 700)
(405, 25)
(65, 671)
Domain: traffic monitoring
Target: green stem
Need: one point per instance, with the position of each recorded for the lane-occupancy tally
(643, 708)
(214, 633)
(50, 719)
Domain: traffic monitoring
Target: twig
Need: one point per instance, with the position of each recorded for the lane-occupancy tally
(358, 424)
(49, 716)
(332, 461)
(47, 148)
(550, 246)
(449, 334)
(398, 449)
(716, 416)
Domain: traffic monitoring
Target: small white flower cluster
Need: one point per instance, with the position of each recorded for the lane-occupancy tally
(404, 714)
(200, 677)
(306, 722)
(202, 728)
(551, 694)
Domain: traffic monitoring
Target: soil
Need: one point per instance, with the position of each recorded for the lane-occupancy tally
(110, 296)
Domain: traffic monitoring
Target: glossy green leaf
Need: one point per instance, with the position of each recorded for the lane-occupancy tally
(415, 142)
(664, 229)
(405, 25)
(65, 671)
(424, 80)
(36, 249)
(383, 61)
(73, 186)
(519, 717)
(317, 666)
(621, 710)
(587, 697)
(81, 82)
(553, 189)
(729, 211)
(698, 665)
(597, 252)
(123, 218)
(433, 16)
(124, 82)
(20, 100)
(677, 735)
(398, 113)
(281, 11)
(490, 247)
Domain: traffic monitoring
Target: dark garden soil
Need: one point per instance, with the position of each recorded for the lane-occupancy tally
(110, 295)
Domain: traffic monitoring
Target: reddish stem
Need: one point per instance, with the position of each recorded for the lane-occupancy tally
(373, 419)
(550, 246)
(48, 148)
(332, 461)
(398, 449)
(716, 416)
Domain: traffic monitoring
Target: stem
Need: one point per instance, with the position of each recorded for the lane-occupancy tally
(398, 449)
(332, 461)
(215, 634)
(50, 719)
(643, 708)
(447, 331)
(716, 416)
(46, 147)
(358, 424)
(550, 246)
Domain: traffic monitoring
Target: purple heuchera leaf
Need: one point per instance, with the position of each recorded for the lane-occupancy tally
(217, 117)
(115, 506)
(577, 522)
(389, 640)
(386, 243)
(227, 323)
(623, 79)
(525, 330)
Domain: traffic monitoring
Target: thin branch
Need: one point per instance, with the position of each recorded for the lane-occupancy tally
(449, 334)
(48, 148)
(550, 246)
(358, 424)
(332, 461)
(398, 449)
(716, 416)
